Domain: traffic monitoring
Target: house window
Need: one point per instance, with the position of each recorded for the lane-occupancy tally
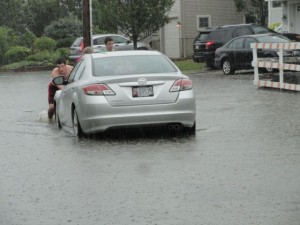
(203, 22)
(298, 8)
(276, 4)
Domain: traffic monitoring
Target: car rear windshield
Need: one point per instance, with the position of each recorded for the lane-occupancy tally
(127, 65)
(203, 36)
(272, 39)
(218, 35)
(261, 30)
(77, 42)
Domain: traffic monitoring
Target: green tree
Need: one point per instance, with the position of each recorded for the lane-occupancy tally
(137, 19)
(12, 14)
(41, 13)
(64, 30)
(254, 10)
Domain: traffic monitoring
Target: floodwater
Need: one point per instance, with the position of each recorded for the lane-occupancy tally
(242, 167)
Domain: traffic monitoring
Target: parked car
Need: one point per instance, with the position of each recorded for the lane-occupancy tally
(120, 43)
(237, 54)
(209, 40)
(292, 36)
(124, 89)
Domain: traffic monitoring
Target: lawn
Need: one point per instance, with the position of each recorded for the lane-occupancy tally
(188, 64)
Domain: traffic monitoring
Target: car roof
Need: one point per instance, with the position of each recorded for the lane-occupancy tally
(104, 35)
(125, 53)
(259, 35)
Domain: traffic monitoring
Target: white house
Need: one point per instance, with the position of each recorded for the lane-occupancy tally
(290, 14)
(187, 18)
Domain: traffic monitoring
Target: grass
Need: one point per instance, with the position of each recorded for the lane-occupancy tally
(183, 65)
(188, 64)
(25, 64)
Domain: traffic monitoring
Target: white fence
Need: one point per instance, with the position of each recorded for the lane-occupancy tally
(282, 64)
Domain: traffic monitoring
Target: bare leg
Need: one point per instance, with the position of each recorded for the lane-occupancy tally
(51, 111)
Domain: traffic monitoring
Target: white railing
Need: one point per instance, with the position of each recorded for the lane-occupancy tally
(282, 64)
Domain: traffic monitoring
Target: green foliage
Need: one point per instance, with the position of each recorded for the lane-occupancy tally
(188, 64)
(12, 15)
(98, 30)
(274, 25)
(136, 19)
(27, 39)
(41, 13)
(25, 64)
(44, 44)
(6, 40)
(254, 10)
(16, 54)
(44, 56)
(64, 30)
(63, 52)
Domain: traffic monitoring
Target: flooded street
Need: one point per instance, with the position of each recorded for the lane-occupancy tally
(242, 167)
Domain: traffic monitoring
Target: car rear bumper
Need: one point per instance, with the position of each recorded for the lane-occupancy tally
(198, 57)
(97, 117)
(203, 57)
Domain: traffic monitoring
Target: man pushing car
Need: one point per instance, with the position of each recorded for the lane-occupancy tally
(61, 69)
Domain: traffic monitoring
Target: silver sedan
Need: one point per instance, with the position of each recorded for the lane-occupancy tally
(125, 89)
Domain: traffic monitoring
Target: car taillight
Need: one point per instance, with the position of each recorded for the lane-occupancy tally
(81, 46)
(97, 89)
(209, 44)
(182, 85)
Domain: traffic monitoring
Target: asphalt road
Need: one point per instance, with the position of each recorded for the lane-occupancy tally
(241, 168)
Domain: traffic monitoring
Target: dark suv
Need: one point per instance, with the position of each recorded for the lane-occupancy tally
(209, 40)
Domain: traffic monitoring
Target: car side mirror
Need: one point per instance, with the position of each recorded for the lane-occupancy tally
(60, 80)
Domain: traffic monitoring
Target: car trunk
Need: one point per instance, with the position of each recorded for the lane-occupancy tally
(146, 89)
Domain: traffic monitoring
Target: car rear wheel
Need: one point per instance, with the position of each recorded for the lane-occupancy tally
(210, 64)
(76, 125)
(227, 67)
(191, 130)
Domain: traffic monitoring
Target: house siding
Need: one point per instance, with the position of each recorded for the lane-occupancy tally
(222, 12)
(172, 42)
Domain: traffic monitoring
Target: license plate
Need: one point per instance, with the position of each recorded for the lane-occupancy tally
(143, 91)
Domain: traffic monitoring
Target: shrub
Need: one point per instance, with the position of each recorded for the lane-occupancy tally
(44, 44)
(274, 25)
(44, 56)
(64, 30)
(64, 43)
(16, 54)
(63, 52)
(6, 41)
(27, 39)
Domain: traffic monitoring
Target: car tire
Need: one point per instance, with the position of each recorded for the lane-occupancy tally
(227, 67)
(142, 48)
(210, 64)
(57, 120)
(191, 130)
(77, 131)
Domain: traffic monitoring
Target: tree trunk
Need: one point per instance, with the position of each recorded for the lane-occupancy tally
(86, 23)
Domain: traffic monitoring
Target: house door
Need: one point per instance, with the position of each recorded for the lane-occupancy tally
(297, 19)
(172, 44)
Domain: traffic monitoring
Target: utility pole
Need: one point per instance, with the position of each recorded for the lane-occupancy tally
(86, 18)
